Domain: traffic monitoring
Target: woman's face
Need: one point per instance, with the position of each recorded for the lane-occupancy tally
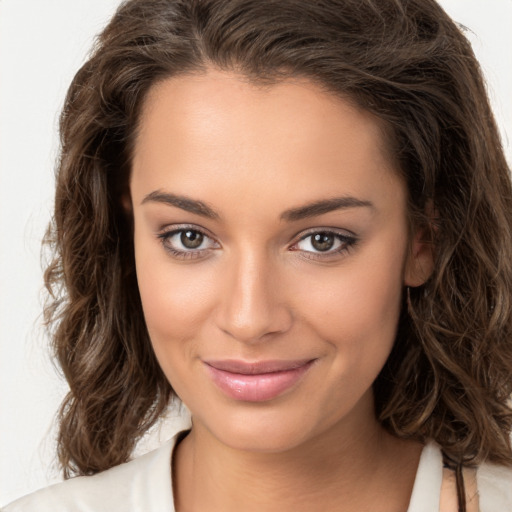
(272, 247)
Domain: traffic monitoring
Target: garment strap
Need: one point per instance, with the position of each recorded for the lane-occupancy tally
(459, 490)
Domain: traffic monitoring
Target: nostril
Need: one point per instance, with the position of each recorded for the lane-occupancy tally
(252, 322)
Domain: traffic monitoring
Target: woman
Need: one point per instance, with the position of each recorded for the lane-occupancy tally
(295, 216)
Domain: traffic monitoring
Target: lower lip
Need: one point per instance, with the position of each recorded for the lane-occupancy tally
(259, 387)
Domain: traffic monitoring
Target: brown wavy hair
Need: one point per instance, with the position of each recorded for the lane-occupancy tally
(449, 376)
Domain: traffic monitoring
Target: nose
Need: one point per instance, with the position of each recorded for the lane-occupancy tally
(253, 303)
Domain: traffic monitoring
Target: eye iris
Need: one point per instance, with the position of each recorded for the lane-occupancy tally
(322, 241)
(191, 239)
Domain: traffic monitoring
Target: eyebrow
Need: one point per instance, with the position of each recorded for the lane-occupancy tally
(324, 206)
(182, 202)
(294, 214)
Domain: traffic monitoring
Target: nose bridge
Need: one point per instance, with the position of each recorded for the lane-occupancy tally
(252, 305)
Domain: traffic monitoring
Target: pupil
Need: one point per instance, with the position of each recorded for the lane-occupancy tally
(322, 241)
(191, 239)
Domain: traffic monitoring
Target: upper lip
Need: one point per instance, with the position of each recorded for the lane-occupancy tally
(257, 367)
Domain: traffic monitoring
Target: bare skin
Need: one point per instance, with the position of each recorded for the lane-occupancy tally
(449, 501)
(271, 227)
(369, 475)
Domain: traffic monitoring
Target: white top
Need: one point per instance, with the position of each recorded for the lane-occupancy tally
(144, 485)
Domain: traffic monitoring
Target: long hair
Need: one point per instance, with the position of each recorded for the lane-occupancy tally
(448, 377)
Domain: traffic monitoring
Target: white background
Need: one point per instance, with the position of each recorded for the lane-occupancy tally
(42, 45)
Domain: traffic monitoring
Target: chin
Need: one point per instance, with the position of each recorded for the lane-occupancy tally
(266, 428)
(272, 436)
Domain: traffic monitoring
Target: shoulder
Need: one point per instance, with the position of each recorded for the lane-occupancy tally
(494, 484)
(143, 483)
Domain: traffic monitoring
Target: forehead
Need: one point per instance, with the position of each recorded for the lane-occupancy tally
(200, 132)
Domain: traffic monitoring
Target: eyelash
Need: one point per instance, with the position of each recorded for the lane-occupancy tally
(190, 254)
(346, 242)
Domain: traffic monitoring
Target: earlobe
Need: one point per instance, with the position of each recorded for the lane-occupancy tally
(420, 263)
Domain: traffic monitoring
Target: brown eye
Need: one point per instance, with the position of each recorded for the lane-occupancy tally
(323, 241)
(187, 243)
(191, 239)
(324, 244)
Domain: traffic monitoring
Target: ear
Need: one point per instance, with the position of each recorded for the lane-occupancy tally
(126, 203)
(420, 263)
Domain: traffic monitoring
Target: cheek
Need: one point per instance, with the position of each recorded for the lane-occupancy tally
(175, 298)
(354, 312)
(356, 307)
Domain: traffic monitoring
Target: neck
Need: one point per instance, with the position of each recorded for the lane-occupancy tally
(334, 471)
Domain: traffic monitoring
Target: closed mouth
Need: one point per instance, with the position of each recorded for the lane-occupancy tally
(257, 381)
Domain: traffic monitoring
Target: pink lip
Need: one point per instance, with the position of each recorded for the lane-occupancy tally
(259, 381)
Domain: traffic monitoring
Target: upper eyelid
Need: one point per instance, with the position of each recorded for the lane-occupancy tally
(350, 239)
(335, 231)
(176, 228)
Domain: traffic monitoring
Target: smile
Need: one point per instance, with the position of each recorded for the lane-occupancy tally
(256, 382)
